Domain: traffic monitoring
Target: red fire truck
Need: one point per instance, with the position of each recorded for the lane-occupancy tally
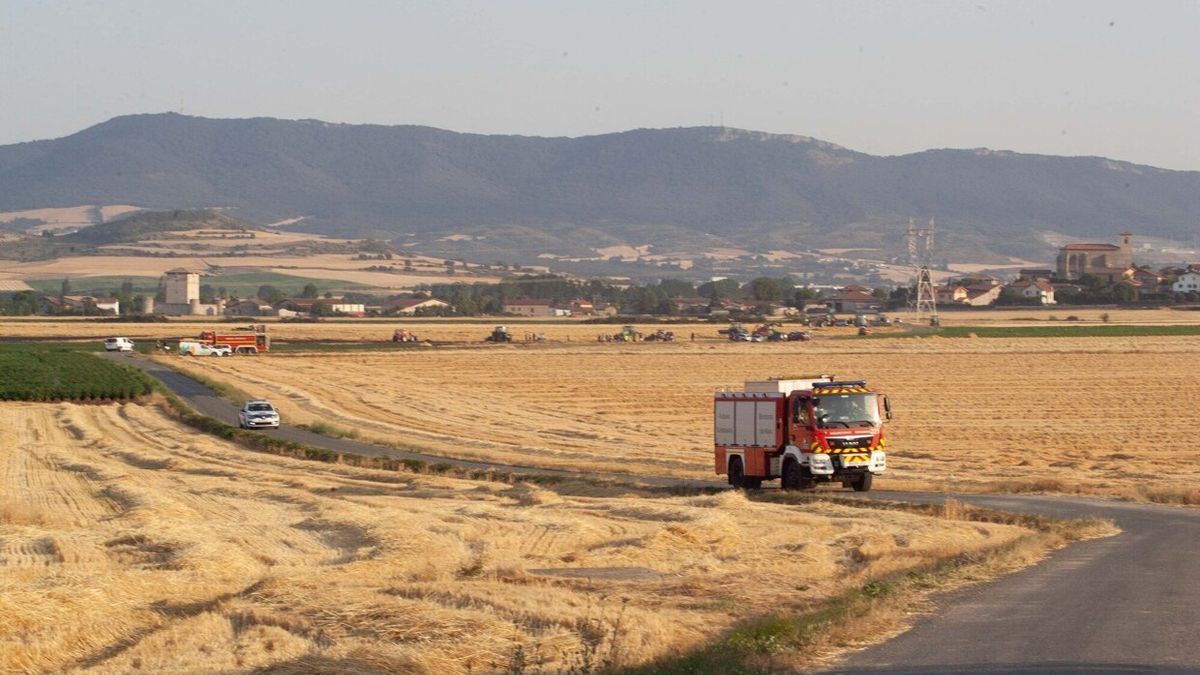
(803, 431)
(249, 340)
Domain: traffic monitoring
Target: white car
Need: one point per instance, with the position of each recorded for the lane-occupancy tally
(203, 349)
(258, 415)
(118, 344)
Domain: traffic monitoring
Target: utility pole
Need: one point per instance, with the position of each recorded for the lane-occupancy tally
(920, 258)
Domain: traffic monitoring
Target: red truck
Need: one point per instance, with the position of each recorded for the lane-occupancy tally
(251, 340)
(803, 431)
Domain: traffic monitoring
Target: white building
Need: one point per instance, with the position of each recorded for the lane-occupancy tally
(1189, 282)
(1039, 289)
(183, 295)
(182, 286)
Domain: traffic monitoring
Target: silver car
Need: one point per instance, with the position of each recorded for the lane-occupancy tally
(258, 415)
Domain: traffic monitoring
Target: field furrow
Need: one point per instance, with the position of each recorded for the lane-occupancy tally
(129, 542)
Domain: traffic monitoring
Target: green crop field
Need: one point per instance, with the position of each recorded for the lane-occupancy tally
(30, 372)
(98, 286)
(246, 285)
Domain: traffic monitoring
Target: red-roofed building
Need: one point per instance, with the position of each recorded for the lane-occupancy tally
(854, 301)
(1075, 260)
(1039, 289)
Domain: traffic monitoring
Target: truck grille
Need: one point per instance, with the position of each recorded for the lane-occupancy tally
(835, 443)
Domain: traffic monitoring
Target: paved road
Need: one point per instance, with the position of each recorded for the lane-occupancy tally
(1129, 603)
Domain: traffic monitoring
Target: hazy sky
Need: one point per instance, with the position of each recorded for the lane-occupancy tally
(1118, 79)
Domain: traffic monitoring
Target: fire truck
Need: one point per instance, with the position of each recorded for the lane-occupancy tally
(249, 340)
(803, 431)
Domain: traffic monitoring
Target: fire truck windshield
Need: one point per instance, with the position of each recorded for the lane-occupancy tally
(846, 410)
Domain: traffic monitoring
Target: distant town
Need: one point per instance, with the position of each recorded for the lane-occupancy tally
(1084, 273)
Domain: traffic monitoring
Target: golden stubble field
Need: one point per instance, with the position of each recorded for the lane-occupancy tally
(1094, 415)
(131, 543)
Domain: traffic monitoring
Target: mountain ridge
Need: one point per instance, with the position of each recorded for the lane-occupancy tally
(658, 186)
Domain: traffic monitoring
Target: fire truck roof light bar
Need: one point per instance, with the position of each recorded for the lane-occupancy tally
(833, 385)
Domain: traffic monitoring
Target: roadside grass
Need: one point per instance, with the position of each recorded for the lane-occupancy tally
(331, 430)
(812, 636)
(34, 372)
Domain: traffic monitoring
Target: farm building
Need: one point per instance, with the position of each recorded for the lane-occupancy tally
(529, 308)
(409, 306)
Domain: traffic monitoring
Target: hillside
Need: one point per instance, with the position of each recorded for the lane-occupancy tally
(144, 224)
(686, 189)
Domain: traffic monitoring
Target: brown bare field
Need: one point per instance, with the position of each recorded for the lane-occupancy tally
(71, 215)
(1065, 414)
(129, 542)
(323, 266)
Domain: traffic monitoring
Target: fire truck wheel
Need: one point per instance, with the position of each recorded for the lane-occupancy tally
(863, 482)
(791, 475)
(737, 476)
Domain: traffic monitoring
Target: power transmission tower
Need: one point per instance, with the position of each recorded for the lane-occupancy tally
(920, 258)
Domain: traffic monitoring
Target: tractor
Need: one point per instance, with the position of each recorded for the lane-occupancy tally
(404, 335)
(499, 334)
(628, 334)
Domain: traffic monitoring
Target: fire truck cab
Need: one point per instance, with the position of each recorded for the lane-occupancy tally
(803, 431)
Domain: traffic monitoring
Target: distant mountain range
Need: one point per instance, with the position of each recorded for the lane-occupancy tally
(687, 189)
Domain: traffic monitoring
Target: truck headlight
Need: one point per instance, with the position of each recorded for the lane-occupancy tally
(819, 463)
(878, 460)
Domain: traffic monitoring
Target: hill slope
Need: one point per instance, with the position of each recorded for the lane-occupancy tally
(691, 187)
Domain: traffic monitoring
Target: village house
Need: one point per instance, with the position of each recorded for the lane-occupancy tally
(84, 304)
(1040, 290)
(410, 306)
(1035, 273)
(1188, 282)
(250, 307)
(339, 306)
(299, 305)
(582, 307)
(982, 295)
(528, 308)
(1148, 279)
(950, 294)
(851, 299)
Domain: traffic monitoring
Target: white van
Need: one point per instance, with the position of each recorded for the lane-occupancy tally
(203, 349)
(118, 344)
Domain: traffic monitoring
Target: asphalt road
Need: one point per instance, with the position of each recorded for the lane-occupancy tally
(1129, 603)
(1123, 604)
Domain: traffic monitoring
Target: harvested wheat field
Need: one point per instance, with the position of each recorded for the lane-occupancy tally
(370, 330)
(1058, 316)
(129, 542)
(1061, 414)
